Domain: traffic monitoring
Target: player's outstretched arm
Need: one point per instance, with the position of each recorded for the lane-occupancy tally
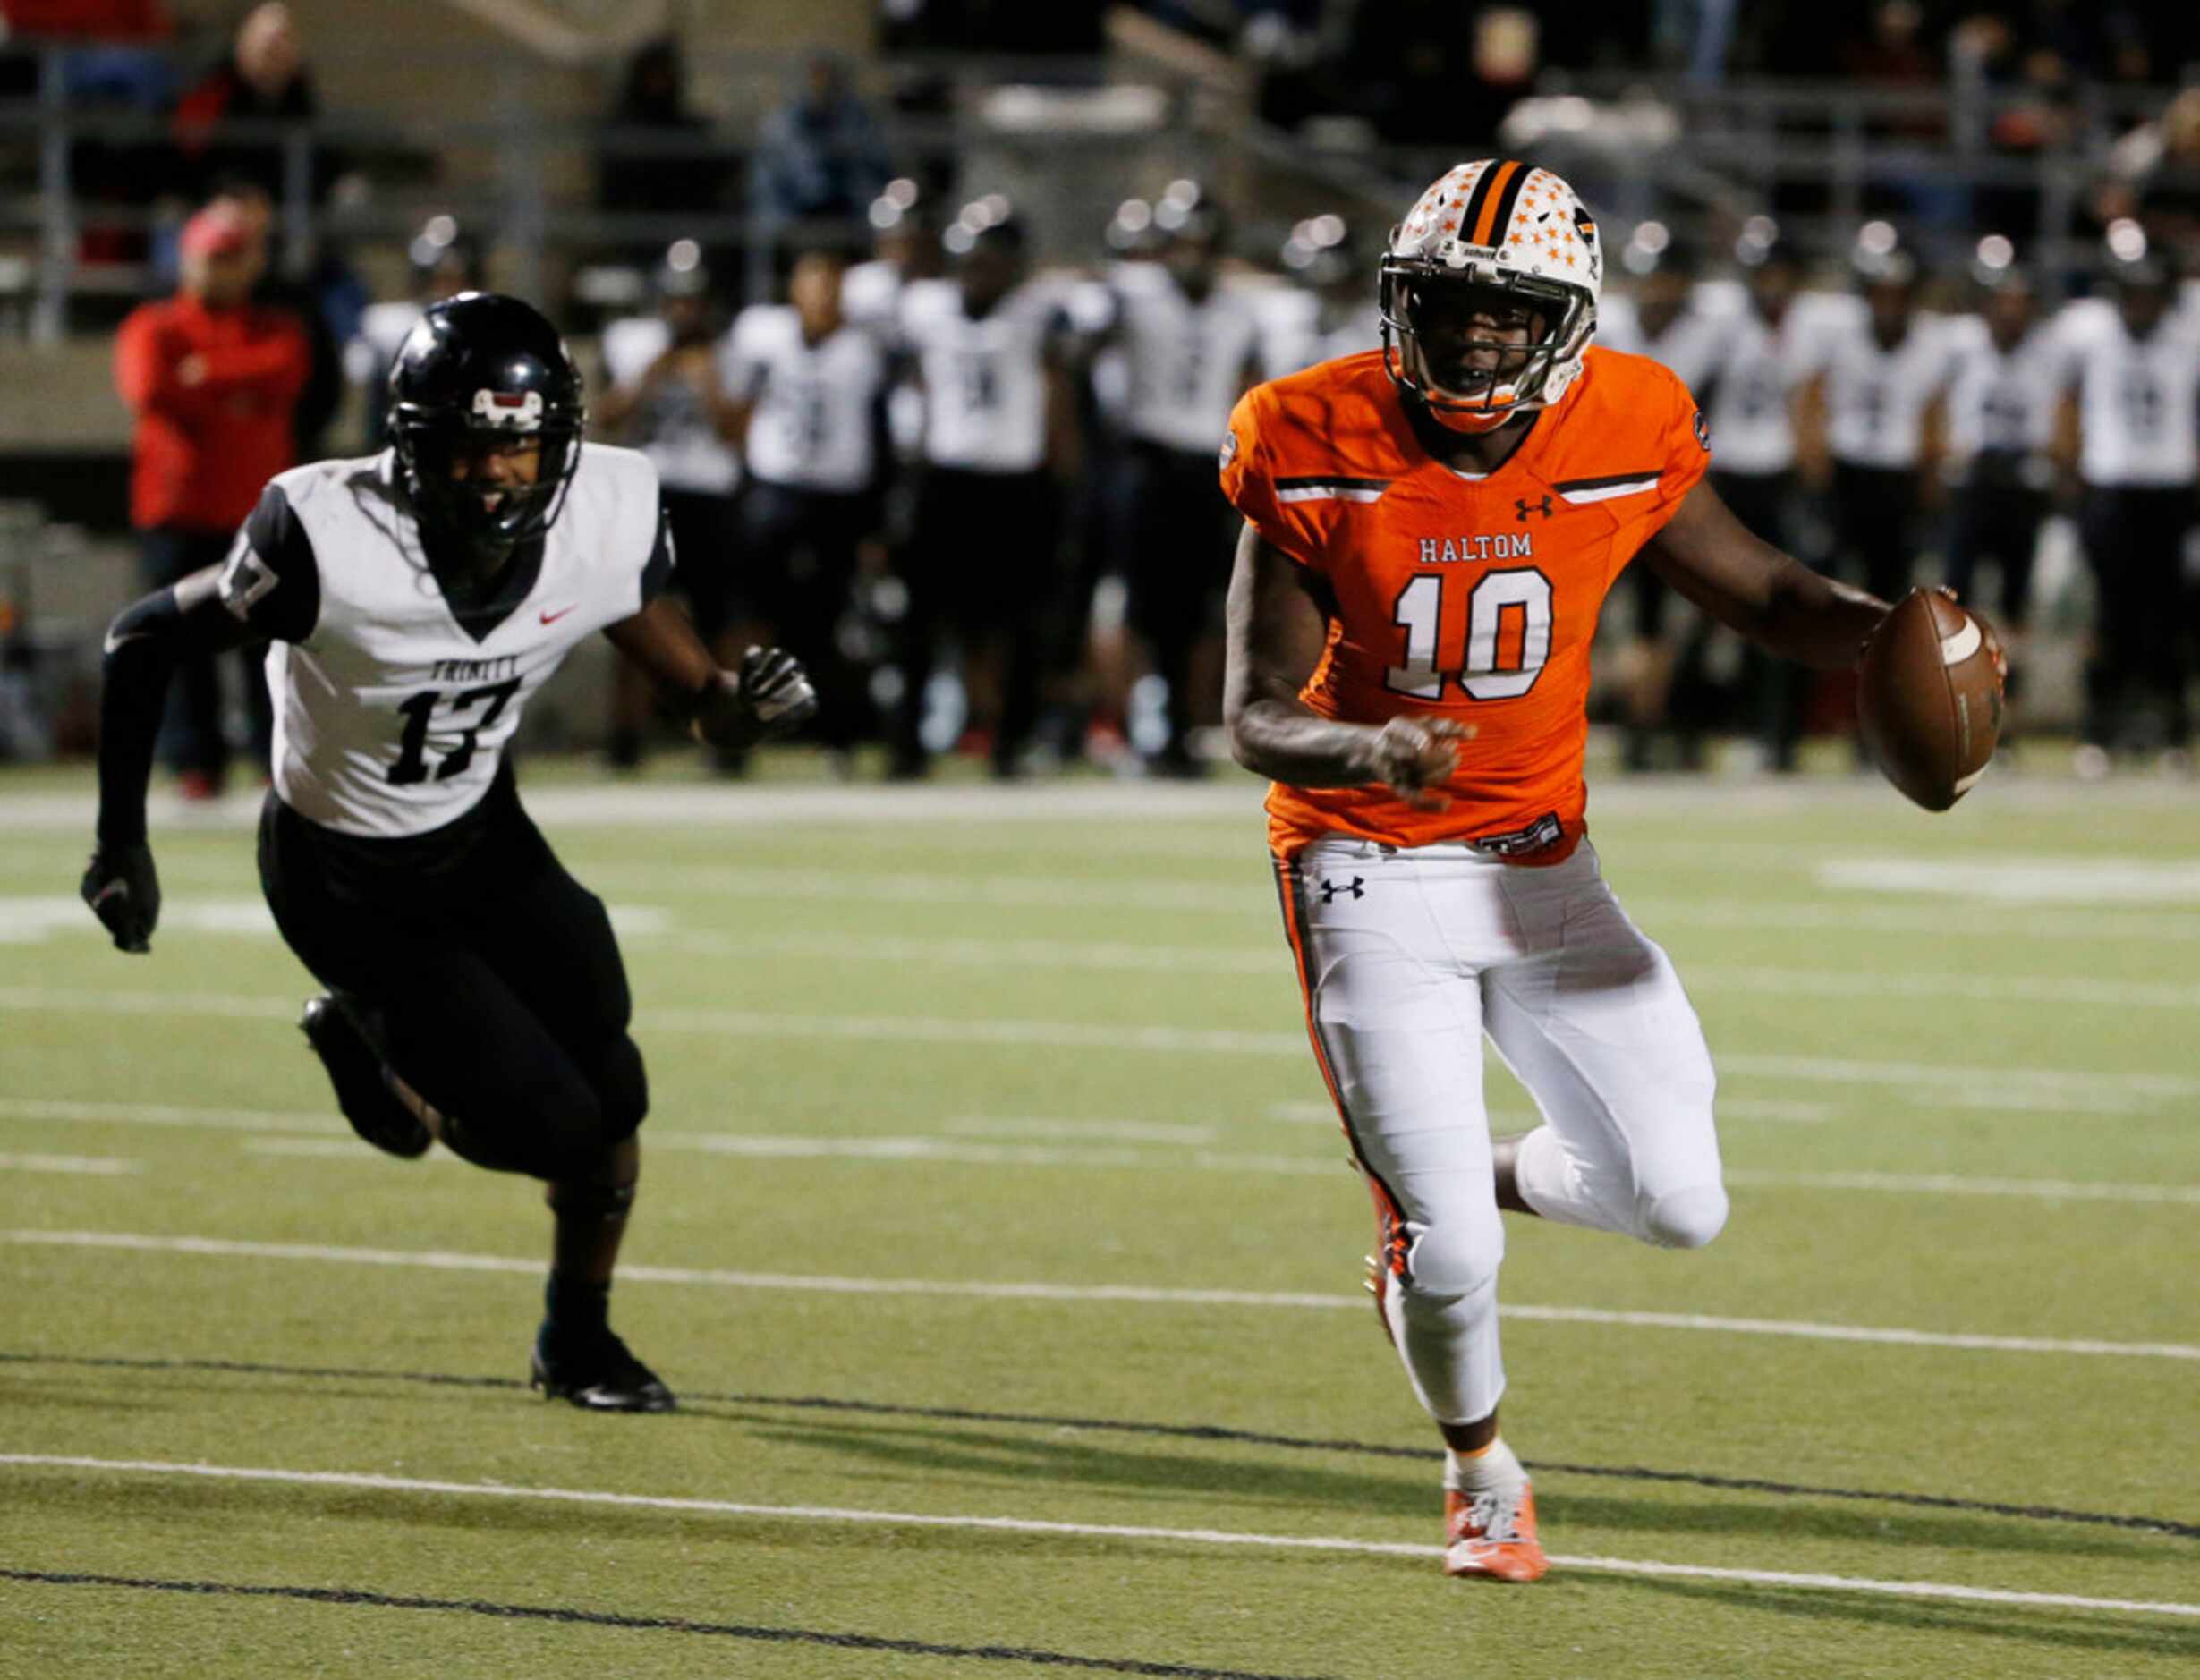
(1277, 632)
(1748, 585)
(768, 695)
(143, 646)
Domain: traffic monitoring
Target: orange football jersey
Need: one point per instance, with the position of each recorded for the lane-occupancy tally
(1467, 596)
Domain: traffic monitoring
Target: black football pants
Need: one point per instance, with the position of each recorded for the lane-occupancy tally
(1182, 537)
(494, 973)
(2134, 545)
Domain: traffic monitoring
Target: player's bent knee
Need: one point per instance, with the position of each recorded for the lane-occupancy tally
(1685, 1219)
(564, 1124)
(1454, 1258)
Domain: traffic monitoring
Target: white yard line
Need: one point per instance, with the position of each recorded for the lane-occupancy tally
(1785, 915)
(2070, 1090)
(2019, 880)
(161, 1114)
(435, 1259)
(1955, 1184)
(313, 1136)
(367, 1482)
(1269, 958)
(93, 1166)
(904, 1150)
(1251, 895)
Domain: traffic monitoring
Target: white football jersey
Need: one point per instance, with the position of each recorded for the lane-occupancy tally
(675, 428)
(984, 381)
(2001, 400)
(1689, 344)
(870, 294)
(1188, 363)
(2136, 397)
(1298, 329)
(1876, 398)
(390, 713)
(1748, 397)
(816, 421)
(373, 349)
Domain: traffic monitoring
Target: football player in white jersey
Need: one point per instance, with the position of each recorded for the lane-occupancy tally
(905, 230)
(810, 387)
(1192, 349)
(1000, 440)
(2002, 399)
(1749, 399)
(2134, 364)
(1661, 668)
(445, 261)
(1876, 368)
(416, 601)
(667, 396)
(1329, 311)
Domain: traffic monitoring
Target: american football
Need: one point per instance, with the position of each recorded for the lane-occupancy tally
(1929, 702)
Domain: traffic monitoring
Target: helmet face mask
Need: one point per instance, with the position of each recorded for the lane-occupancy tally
(1489, 295)
(480, 374)
(1477, 349)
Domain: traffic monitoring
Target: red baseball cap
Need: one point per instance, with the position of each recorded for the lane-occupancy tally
(216, 231)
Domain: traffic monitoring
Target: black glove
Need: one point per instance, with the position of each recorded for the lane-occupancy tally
(123, 892)
(775, 688)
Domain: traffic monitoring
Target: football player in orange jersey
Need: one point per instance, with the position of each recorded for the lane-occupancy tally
(1430, 530)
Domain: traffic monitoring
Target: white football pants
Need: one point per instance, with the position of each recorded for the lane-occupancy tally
(1409, 957)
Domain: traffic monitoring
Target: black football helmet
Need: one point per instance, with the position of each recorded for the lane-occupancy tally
(482, 363)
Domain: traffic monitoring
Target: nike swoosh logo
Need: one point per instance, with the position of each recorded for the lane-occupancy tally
(551, 618)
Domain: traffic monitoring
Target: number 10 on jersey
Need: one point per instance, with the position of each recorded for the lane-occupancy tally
(1508, 634)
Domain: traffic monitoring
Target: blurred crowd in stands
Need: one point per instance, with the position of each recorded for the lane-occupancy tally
(975, 489)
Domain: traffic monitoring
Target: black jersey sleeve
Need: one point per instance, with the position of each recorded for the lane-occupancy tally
(271, 581)
(269, 588)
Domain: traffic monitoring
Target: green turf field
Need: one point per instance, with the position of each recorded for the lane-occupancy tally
(997, 1237)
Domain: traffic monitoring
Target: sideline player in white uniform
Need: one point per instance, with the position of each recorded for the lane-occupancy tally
(2003, 395)
(984, 553)
(1876, 367)
(904, 248)
(1328, 311)
(1749, 397)
(666, 396)
(812, 389)
(2135, 362)
(445, 262)
(1662, 317)
(417, 600)
(1429, 535)
(1190, 347)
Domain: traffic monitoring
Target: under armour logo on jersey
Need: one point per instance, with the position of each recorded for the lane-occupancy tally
(1329, 888)
(1527, 507)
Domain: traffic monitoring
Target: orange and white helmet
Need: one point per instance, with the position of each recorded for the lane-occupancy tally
(1493, 235)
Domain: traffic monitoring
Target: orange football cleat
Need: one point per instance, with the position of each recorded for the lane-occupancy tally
(1492, 1534)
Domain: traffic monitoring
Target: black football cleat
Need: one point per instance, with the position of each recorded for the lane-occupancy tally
(597, 1374)
(355, 1070)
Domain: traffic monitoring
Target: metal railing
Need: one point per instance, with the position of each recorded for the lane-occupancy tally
(1739, 147)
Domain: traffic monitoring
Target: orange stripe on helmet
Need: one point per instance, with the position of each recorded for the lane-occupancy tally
(1485, 230)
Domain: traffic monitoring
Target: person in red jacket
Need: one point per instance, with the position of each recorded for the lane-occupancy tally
(212, 379)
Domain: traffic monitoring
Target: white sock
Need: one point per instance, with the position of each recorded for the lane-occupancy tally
(1493, 1469)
